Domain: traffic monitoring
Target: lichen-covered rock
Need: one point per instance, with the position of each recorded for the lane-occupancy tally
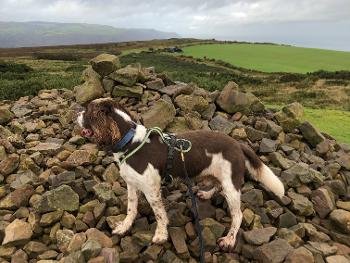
(88, 91)
(127, 76)
(192, 103)
(81, 157)
(289, 117)
(63, 198)
(5, 115)
(232, 100)
(125, 91)
(161, 114)
(105, 64)
(301, 204)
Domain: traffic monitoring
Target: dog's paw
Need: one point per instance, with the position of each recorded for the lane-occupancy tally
(204, 194)
(227, 243)
(160, 237)
(120, 229)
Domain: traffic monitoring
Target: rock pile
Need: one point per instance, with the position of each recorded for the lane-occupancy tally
(60, 196)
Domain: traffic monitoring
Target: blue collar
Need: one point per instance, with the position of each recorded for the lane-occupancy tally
(125, 140)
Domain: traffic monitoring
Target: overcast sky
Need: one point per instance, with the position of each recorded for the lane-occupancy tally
(315, 23)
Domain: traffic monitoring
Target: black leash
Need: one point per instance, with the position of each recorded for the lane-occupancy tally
(194, 210)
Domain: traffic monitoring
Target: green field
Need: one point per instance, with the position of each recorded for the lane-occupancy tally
(273, 58)
(333, 122)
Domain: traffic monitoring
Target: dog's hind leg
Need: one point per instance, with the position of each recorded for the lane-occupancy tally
(232, 196)
(223, 173)
(125, 225)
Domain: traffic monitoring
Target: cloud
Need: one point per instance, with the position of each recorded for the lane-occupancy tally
(199, 18)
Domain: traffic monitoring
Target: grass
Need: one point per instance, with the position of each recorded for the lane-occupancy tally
(273, 58)
(333, 122)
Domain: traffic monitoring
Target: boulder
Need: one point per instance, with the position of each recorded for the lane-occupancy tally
(189, 103)
(5, 115)
(105, 64)
(300, 255)
(311, 134)
(100, 237)
(9, 164)
(323, 201)
(289, 117)
(177, 89)
(127, 76)
(341, 219)
(268, 145)
(300, 204)
(18, 198)
(81, 157)
(17, 233)
(232, 100)
(62, 197)
(88, 91)
(91, 249)
(221, 124)
(259, 236)
(273, 252)
(125, 91)
(161, 114)
(156, 84)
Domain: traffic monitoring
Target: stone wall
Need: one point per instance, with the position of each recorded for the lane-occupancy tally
(60, 196)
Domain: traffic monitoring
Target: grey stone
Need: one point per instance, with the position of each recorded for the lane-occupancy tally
(273, 252)
(259, 236)
(311, 134)
(221, 124)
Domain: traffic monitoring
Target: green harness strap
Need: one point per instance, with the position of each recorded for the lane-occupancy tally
(162, 135)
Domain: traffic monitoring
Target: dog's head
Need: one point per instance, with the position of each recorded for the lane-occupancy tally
(105, 122)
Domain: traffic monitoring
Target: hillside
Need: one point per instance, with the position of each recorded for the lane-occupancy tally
(25, 34)
(273, 58)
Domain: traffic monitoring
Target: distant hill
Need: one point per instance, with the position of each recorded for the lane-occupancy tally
(31, 34)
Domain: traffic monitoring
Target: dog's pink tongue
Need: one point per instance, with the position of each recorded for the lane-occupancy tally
(86, 132)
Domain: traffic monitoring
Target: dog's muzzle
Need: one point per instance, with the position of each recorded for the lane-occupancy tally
(87, 133)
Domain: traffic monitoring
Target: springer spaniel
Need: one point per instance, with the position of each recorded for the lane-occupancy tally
(213, 154)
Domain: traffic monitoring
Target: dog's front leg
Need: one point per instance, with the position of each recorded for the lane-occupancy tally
(155, 200)
(125, 225)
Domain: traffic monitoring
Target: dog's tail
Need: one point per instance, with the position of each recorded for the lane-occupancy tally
(261, 172)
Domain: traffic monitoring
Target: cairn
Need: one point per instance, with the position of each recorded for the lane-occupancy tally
(60, 196)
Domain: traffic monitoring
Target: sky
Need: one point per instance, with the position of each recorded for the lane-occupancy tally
(311, 23)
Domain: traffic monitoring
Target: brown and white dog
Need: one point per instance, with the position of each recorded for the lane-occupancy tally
(213, 154)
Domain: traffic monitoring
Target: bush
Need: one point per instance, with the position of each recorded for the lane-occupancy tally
(14, 67)
(292, 77)
(57, 56)
(342, 74)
